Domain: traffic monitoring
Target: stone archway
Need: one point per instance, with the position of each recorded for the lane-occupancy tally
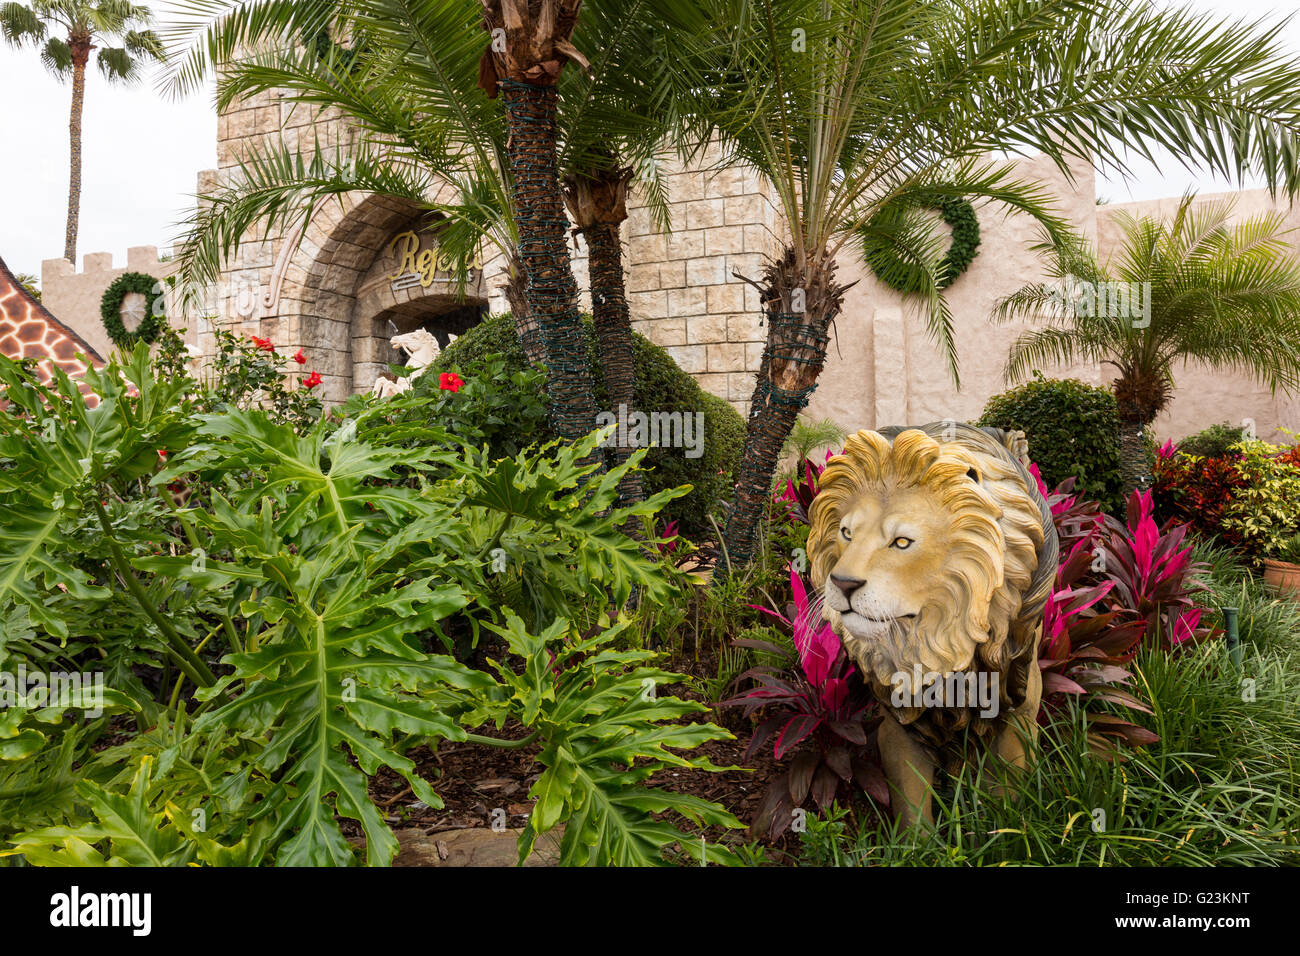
(405, 289)
(340, 298)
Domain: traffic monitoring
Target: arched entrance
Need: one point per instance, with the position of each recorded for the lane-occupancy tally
(366, 270)
(409, 287)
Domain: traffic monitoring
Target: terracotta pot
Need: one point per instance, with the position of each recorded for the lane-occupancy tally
(1283, 576)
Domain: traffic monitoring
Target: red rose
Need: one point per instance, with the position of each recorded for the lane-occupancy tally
(299, 357)
(450, 382)
(312, 380)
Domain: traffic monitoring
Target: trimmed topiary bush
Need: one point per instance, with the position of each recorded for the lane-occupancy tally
(1072, 429)
(660, 386)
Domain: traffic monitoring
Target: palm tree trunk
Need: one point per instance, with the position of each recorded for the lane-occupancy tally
(80, 56)
(793, 357)
(1133, 464)
(614, 337)
(530, 336)
(550, 291)
(1140, 395)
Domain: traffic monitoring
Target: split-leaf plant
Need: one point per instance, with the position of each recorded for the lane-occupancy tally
(324, 565)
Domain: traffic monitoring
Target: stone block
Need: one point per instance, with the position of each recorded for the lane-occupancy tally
(686, 245)
(727, 181)
(714, 383)
(746, 327)
(664, 332)
(690, 358)
(648, 305)
(686, 302)
(724, 239)
(672, 275)
(729, 357)
(704, 213)
(704, 329)
(740, 386)
(725, 298)
(643, 277)
(710, 270)
(649, 248)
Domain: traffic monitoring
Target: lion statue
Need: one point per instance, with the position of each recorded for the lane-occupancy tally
(934, 554)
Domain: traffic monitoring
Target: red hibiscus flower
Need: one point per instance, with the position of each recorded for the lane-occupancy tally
(299, 357)
(263, 344)
(312, 380)
(450, 382)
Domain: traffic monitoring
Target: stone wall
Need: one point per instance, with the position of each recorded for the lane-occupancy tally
(321, 288)
(684, 289)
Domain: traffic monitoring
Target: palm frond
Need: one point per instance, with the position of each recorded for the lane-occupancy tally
(279, 188)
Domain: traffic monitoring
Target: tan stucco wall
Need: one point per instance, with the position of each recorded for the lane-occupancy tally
(883, 368)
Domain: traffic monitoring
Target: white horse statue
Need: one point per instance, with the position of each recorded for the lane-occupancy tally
(421, 349)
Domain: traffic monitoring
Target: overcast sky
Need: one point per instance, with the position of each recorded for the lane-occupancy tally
(142, 152)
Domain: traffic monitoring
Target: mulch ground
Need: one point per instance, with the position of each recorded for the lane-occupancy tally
(475, 782)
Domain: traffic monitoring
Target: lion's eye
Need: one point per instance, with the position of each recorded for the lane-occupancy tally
(844, 532)
(901, 543)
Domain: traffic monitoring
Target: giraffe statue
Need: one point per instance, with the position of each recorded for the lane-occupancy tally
(28, 330)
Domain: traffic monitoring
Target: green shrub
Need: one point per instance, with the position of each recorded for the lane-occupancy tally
(660, 386)
(1072, 429)
(277, 635)
(1263, 511)
(1213, 442)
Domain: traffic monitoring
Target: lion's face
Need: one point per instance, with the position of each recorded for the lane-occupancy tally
(922, 550)
(890, 563)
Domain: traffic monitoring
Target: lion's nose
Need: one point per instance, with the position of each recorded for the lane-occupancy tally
(847, 585)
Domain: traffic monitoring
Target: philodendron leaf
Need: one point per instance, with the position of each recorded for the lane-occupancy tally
(605, 732)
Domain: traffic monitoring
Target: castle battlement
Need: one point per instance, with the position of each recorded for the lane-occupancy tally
(73, 297)
(96, 264)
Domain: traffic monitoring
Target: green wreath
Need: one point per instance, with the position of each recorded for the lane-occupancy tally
(907, 277)
(110, 309)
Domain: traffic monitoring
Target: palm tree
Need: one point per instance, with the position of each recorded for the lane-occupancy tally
(530, 44)
(1195, 289)
(86, 25)
(851, 107)
(615, 119)
(410, 90)
(32, 283)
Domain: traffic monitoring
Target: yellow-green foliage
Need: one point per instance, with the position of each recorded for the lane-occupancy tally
(1266, 510)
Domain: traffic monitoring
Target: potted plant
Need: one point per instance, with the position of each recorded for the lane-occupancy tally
(1282, 567)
